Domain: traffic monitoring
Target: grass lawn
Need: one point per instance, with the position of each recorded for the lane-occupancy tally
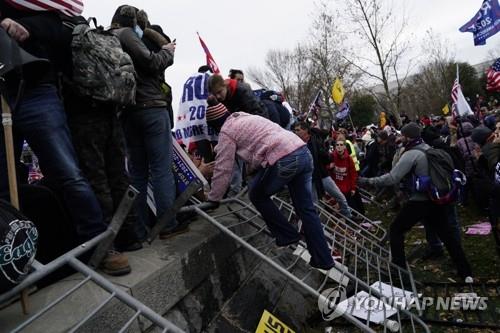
(480, 251)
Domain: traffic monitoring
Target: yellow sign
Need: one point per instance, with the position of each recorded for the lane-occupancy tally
(270, 324)
(338, 91)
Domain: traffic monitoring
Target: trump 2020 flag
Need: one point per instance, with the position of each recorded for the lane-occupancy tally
(66, 7)
(485, 23)
(210, 60)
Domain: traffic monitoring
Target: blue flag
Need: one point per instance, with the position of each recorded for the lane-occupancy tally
(343, 111)
(485, 23)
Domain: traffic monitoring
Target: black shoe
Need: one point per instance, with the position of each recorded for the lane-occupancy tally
(179, 229)
(430, 254)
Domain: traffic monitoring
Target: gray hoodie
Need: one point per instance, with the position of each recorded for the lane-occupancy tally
(413, 159)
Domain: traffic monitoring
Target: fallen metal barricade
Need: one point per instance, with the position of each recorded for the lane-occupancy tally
(375, 229)
(115, 292)
(362, 274)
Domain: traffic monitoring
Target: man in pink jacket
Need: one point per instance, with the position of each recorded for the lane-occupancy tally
(280, 158)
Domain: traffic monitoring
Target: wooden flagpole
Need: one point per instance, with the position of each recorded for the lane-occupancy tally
(11, 172)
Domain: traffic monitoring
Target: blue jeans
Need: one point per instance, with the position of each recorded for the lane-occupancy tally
(41, 121)
(236, 178)
(333, 190)
(431, 236)
(149, 146)
(294, 170)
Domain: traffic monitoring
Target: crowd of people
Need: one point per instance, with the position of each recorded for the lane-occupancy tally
(89, 151)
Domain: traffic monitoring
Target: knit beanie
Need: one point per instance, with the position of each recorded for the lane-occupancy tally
(480, 134)
(216, 115)
(411, 130)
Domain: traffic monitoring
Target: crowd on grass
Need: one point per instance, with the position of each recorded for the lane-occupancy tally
(90, 150)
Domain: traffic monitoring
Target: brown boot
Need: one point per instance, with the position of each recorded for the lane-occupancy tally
(115, 264)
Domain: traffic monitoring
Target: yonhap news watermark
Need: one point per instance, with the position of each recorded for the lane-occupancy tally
(333, 303)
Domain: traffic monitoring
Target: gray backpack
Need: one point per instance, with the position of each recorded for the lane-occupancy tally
(101, 69)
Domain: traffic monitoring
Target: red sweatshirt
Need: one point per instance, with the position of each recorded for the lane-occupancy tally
(343, 171)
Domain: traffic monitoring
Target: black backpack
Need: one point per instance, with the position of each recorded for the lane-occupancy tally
(18, 245)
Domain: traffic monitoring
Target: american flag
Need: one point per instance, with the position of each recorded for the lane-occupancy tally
(315, 106)
(454, 96)
(210, 60)
(66, 7)
(493, 77)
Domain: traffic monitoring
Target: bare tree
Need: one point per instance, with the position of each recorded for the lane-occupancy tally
(383, 30)
(326, 49)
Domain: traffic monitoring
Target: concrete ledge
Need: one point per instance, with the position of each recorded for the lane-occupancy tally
(162, 274)
(201, 280)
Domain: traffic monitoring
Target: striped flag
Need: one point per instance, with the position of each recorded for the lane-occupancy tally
(454, 96)
(210, 60)
(459, 107)
(315, 106)
(66, 7)
(493, 77)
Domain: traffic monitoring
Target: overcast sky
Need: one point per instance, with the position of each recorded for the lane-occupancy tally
(239, 33)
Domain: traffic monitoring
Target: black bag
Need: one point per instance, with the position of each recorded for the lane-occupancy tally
(18, 245)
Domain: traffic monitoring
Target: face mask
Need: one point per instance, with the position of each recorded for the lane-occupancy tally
(138, 31)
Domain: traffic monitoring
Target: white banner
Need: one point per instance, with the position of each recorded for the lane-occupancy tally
(190, 121)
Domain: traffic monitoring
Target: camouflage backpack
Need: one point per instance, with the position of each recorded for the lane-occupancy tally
(101, 69)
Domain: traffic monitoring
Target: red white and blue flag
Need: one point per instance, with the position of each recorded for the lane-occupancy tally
(315, 106)
(493, 77)
(210, 60)
(66, 7)
(459, 107)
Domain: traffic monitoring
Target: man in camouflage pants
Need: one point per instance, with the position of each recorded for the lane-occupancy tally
(99, 143)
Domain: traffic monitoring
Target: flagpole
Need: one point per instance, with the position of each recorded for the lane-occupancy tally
(461, 131)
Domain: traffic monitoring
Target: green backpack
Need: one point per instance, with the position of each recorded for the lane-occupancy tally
(101, 69)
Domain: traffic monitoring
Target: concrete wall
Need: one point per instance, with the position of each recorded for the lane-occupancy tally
(202, 281)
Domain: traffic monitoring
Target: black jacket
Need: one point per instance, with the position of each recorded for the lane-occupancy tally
(320, 157)
(243, 99)
(48, 39)
(148, 66)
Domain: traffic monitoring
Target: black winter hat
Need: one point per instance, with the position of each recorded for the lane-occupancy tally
(480, 134)
(411, 130)
(429, 134)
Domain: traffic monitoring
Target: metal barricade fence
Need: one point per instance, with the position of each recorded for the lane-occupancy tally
(363, 275)
(89, 275)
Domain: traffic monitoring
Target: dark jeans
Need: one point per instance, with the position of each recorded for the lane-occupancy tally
(413, 212)
(149, 145)
(295, 171)
(41, 121)
(433, 241)
(100, 146)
